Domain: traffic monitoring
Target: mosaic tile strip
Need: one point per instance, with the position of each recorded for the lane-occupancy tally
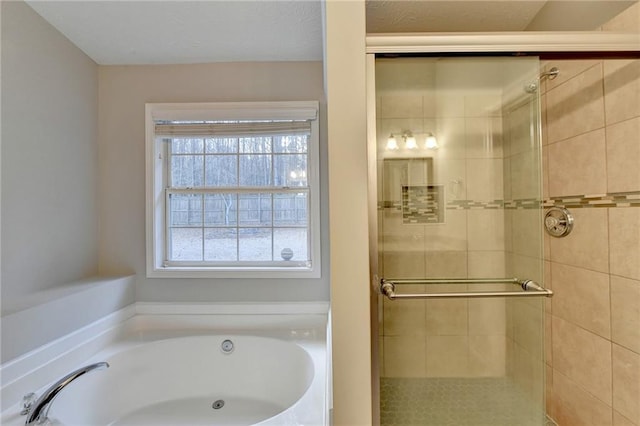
(422, 204)
(614, 199)
(495, 204)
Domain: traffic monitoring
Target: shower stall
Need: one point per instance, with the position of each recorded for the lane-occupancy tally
(458, 224)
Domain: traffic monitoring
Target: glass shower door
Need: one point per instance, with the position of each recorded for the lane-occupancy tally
(458, 162)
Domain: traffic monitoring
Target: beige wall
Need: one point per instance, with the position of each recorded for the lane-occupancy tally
(49, 157)
(124, 90)
(347, 136)
(592, 147)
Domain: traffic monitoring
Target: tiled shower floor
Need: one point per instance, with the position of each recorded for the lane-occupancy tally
(455, 402)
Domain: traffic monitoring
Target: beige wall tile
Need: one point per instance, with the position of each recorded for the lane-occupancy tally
(528, 327)
(404, 356)
(528, 373)
(517, 125)
(404, 317)
(621, 89)
(583, 357)
(401, 106)
(626, 383)
(487, 356)
(568, 69)
(450, 132)
(573, 406)
(486, 264)
(582, 297)
(587, 245)
(545, 172)
(506, 178)
(487, 317)
(486, 230)
(548, 340)
(404, 264)
(447, 317)
(446, 264)
(484, 137)
(625, 312)
(448, 356)
(484, 180)
(543, 115)
(620, 420)
(525, 267)
(526, 232)
(450, 103)
(452, 174)
(548, 283)
(624, 241)
(526, 175)
(451, 235)
(483, 103)
(577, 106)
(549, 397)
(429, 107)
(396, 236)
(578, 165)
(623, 156)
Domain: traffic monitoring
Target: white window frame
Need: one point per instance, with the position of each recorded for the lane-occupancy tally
(156, 234)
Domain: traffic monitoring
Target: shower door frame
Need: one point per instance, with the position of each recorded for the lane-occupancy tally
(575, 44)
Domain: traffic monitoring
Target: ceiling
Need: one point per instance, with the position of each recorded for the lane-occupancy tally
(128, 32)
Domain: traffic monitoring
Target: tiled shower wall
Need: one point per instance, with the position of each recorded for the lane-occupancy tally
(453, 338)
(591, 158)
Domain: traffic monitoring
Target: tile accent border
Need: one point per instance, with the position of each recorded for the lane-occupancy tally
(614, 199)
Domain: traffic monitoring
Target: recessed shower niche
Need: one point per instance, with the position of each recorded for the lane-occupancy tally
(410, 190)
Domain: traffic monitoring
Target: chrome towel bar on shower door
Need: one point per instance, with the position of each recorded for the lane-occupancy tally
(531, 289)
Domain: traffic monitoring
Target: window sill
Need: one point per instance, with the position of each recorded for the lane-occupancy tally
(194, 272)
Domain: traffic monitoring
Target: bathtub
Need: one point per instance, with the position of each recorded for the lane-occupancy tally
(202, 369)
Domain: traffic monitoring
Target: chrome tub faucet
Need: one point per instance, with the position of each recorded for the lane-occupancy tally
(38, 411)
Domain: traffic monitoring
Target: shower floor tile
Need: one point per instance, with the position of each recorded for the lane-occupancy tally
(455, 402)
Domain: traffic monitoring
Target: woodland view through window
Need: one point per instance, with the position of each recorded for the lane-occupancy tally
(233, 188)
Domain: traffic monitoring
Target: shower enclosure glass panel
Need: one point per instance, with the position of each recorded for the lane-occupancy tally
(465, 205)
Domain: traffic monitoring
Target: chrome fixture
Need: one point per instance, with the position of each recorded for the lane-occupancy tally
(227, 346)
(38, 411)
(551, 74)
(532, 86)
(531, 289)
(558, 222)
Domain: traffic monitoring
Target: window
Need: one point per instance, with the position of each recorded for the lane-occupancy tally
(232, 190)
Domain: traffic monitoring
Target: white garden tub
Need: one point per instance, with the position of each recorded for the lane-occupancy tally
(201, 370)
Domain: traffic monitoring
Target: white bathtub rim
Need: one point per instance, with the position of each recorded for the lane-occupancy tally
(45, 364)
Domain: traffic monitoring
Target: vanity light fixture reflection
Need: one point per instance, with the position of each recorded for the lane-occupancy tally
(431, 142)
(392, 143)
(410, 141)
